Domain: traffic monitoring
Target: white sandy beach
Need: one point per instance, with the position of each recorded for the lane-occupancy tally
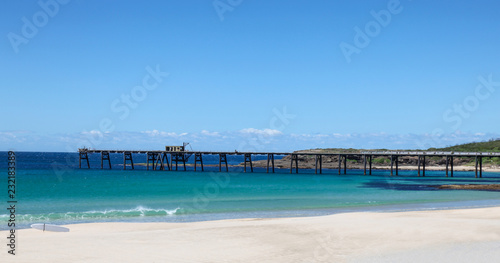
(465, 235)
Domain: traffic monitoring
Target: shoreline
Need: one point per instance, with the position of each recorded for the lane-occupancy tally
(295, 213)
(344, 237)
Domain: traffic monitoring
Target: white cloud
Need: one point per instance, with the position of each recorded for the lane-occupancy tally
(7, 135)
(205, 132)
(265, 132)
(92, 132)
(157, 133)
(266, 139)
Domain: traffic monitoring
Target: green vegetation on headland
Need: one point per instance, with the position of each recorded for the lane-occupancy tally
(492, 145)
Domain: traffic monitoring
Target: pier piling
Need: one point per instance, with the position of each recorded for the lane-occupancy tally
(480, 166)
(447, 164)
(370, 160)
(451, 164)
(340, 162)
(364, 164)
(318, 160)
(296, 159)
(345, 164)
(423, 166)
(270, 158)
(418, 164)
(397, 165)
(392, 164)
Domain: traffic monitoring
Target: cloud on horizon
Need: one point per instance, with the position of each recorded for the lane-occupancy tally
(264, 132)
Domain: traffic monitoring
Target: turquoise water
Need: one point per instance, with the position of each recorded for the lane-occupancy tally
(52, 189)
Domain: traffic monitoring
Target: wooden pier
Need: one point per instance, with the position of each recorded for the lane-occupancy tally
(164, 160)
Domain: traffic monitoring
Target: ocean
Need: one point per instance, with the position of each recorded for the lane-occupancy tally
(50, 188)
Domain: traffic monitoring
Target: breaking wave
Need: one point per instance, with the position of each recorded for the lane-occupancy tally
(138, 212)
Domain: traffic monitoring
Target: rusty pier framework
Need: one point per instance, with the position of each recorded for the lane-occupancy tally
(165, 160)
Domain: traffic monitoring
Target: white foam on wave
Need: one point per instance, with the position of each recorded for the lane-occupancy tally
(110, 213)
(143, 211)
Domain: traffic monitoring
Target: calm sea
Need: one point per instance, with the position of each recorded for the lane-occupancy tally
(51, 189)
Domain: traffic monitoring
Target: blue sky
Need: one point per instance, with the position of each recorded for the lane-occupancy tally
(248, 75)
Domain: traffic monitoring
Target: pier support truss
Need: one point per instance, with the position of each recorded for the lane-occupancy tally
(248, 159)
(157, 160)
(198, 158)
(84, 156)
(104, 157)
(178, 157)
(127, 156)
(223, 159)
